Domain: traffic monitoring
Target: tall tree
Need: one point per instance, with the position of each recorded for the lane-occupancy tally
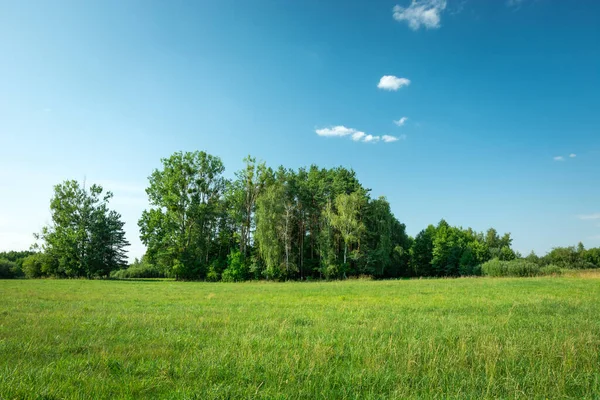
(345, 217)
(269, 216)
(421, 252)
(245, 189)
(185, 195)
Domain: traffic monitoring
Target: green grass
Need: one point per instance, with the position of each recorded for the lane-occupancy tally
(443, 338)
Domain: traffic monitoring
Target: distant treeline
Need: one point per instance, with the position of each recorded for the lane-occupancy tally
(278, 224)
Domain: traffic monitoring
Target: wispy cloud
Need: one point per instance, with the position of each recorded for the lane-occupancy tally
(389, 138)
(425, 13)
(391, 82)
(561, 158)
(339, 130)
(587, 217)
(401, 121)
(356, 135)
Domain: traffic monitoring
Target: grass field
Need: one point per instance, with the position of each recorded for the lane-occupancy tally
(442, 338)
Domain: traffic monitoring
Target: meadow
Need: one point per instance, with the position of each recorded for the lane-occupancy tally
(431, 338)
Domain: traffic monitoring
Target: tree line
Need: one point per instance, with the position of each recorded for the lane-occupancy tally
(265, 223)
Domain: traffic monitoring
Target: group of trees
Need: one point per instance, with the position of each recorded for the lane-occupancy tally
(265, 223)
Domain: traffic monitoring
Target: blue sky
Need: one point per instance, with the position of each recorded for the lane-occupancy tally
(492, 92)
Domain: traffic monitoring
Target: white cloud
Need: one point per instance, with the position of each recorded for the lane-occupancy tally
(572, 155)
(339, 130)
(401, 121)
(420, 12)
(355, 135)
(371, 138)
(391, 82)
(589, 216)
(559, 158)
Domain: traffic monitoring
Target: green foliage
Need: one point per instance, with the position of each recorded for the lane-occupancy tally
(36, 265)
(551, 270)
(8, 269)
(280, 224)
(85, 238)
(421, 252)
(139, 269)
(517, 268)
(345, 218)
(181, 228)
(11, 264)
(236, 270)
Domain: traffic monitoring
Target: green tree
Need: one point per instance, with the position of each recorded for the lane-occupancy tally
(85, 238)
(269, 216)
(186, 197)
(421, 252)
(243, 193)
(345, 218)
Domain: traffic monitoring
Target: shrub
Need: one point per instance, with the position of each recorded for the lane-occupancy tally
(33, 266)
(236, 268)
(139, 270)
(551, 270)
(519, 267)
(469, 270)
(7, 269)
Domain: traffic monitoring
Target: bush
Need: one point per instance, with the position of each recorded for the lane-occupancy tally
(213, 274)
(8, 269)
(551, 270)
(236, 270)
(139, 270)
(33, 266)
(519, 267)
(469, 270)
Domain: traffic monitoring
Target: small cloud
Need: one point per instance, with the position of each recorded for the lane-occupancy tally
(401, 121)
(572, 155)
(390, 139)
(339, 130)
(420, 12)
(357, 136)
(559, 158)
(587, 217)
(371, 138)
(391, 82)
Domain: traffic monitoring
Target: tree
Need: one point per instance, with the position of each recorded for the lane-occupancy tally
(345, 217)
(385, 243)
(85, 238)
(186, 196)
(269, 216)
(243, 194)
(421, 252)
